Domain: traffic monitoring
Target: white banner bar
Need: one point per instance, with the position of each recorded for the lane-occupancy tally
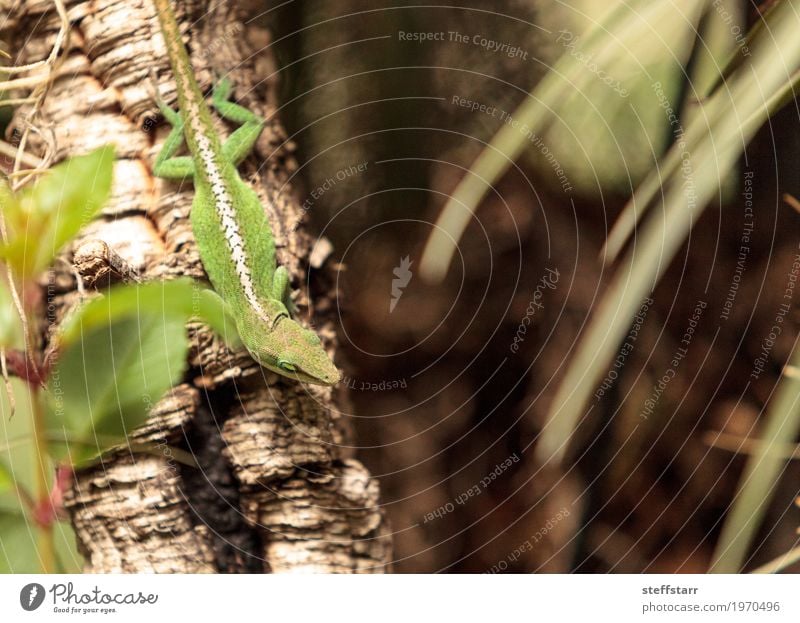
(406, 598)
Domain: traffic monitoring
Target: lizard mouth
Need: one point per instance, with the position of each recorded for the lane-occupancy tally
(299, 374)
(302, 377)
(326, 380)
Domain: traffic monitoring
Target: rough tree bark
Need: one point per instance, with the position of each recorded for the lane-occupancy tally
(275, 488)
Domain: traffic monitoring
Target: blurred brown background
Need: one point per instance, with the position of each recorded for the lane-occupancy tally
(446, 413)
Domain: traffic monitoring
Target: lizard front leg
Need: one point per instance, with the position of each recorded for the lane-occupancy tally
(167, 164)
(282, 289)
(240, 142)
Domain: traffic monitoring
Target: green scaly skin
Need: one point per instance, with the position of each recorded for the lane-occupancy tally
(233, 234)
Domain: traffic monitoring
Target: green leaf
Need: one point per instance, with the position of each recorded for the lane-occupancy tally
(122, 353)
(6, 479)
(180, 298)
(211, 309)
(17, 441)
(10, 329)
(19, 542)
(67, 554)
(18, 547)
(118, 354)
(43, 218)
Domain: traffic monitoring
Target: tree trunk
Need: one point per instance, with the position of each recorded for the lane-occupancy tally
(274, 486)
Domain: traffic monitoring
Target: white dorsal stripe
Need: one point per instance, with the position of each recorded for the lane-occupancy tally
(223, 201)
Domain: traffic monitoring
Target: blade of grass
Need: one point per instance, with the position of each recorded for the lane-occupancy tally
(715, 47)
(747, 446)
(630, 217)
(715, 100)
(736, 59)
(708, 160)
(761, 474)
(567, 76)
(780, 563)
(631, 285)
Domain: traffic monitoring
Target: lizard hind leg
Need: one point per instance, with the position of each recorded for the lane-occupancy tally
(282, 290)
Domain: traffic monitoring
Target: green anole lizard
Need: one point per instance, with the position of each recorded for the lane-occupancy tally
(230, 225)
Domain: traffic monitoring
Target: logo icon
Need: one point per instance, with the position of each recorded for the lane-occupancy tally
(402, 275)
(31, 596)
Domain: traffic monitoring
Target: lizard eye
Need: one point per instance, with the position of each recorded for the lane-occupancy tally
(285, 365)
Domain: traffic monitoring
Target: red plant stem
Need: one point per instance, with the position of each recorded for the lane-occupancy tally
(23, 367)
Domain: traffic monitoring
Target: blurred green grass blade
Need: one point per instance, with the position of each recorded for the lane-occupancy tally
(709, 158)
(736, 58)
(607, 134)
(697, 123)
(633, 283)
(780, 563)
(567, 76)
(716, 48)
(630, 216)
(761, 474)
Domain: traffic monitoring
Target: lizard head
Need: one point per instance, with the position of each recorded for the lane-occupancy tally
(292, 351)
